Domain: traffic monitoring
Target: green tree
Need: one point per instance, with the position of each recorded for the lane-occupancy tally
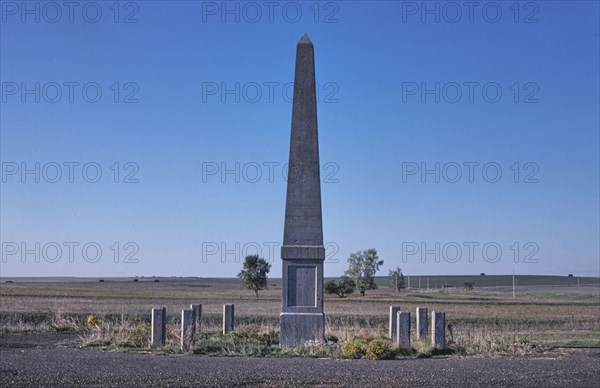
(254, 273)
(345, 287)
(397, 281)
(362, 269)
(331, 287)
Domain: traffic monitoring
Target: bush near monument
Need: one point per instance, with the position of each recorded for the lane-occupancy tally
(371, 348)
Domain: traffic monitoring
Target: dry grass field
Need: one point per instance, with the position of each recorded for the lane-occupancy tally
(547, 311)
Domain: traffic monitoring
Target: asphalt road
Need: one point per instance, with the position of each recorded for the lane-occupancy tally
(39, 360)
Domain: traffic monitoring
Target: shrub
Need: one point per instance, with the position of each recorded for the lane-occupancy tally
(368, 347)
(61, 323)
(344, 288)
(139, 335)
(93, 321)
(378, 349)
(331, 287)
(247, 331)
(515, 344)
(354, 348)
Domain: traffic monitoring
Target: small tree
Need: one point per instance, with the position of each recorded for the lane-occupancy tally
(397, 281)
(254, 273)
(469, 286)
(363, 266)
(331, 287)
(344, 288)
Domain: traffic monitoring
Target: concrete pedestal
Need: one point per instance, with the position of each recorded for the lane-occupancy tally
(302, 328)
(422, 324)
(197, 316)
(393, 321)
(159, 325)
(438, 326)
(228, 317)
(403, 338)
(187, 329)
(302, 318)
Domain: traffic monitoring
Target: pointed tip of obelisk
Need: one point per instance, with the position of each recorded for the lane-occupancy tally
(305, 39)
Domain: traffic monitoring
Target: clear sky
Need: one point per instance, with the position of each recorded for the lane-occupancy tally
(455, 138)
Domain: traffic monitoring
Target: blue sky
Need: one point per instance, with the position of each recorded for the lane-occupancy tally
(190, 89)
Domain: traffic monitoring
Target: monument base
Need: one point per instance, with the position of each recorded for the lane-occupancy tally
(298, 328)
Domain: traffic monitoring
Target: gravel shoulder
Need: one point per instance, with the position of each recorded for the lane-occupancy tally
(45, 360)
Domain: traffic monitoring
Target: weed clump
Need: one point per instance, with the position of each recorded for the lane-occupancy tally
(379, 349)
(139, 335)
(353, 348)
(250, 330)
(369, 348)
(62, 323)
(92, 321)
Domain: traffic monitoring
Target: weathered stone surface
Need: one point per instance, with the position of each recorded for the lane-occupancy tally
(422, 324)
(303, 221)
(188, 334)
(403, 339)
(197, 316)
(302, 328)
(438, 327)
(159, 325)
(393, 320)
(303, 293)
(303, 253)
(228, 317)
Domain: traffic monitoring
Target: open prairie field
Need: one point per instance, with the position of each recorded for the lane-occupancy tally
(548, 310)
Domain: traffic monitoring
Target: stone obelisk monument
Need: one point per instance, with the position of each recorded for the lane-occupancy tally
(303, 253)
